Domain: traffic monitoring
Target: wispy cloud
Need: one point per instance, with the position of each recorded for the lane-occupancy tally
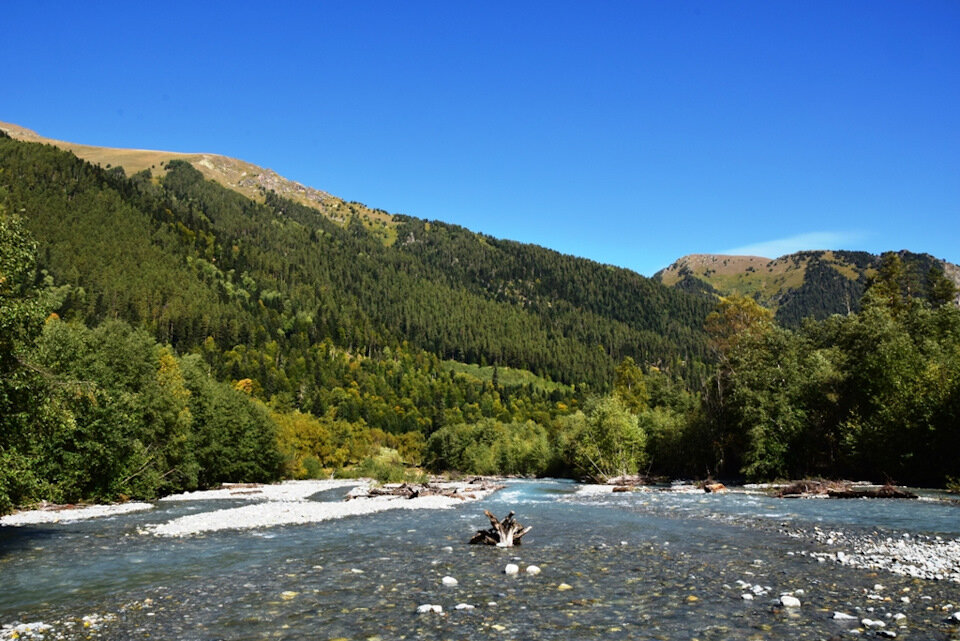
(813, 240)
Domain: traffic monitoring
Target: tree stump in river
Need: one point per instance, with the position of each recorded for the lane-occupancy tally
(504, 534)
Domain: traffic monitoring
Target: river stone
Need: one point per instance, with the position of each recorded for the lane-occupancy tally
(843, 616)
(533, 570)
(511, 568)
(789, 601)
(872, 623)
(746, 596)
(463, 606)
(429, 607)
(449, 581)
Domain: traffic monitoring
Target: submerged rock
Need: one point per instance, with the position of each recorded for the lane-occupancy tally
(511, 568)
(789, 601)
(449, 581)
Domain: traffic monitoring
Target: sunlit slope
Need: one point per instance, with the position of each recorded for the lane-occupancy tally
(808, 283)
(237, 175)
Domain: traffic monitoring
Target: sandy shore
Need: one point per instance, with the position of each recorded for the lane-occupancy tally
(287, 504)
(68, 515)
(285, 491)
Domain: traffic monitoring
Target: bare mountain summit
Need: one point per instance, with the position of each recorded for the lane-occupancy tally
(808, 283)
(240, 176)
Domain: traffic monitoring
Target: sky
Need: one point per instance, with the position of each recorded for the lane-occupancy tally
(631, 133)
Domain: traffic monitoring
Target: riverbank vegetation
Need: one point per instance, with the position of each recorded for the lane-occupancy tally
(207, 338)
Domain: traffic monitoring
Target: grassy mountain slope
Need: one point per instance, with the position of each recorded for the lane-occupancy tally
(795, 286)
(237, 175)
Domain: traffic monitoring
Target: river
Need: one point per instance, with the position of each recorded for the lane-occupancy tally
(640, 565)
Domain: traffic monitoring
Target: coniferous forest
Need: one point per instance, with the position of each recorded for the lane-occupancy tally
(160, 333)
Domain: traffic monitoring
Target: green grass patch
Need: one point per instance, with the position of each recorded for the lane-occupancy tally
(506, 376)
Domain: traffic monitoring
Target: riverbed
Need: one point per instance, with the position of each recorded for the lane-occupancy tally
(637, 565)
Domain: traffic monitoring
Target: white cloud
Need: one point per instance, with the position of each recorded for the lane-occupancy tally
(801, 242)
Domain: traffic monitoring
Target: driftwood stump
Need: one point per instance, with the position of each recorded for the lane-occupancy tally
(503, 534)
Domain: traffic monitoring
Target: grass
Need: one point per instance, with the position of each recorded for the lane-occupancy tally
(507, 376)
(385, 467)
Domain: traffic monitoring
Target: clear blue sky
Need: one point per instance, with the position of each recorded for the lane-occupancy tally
(627, 132)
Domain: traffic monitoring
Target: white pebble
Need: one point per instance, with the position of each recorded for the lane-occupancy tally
(789, 601)
(449, 580)
(533, 570)
(463, 606)
(429, 607)
(511, 568)
(746, 596)
(843, 616)
(872, 623)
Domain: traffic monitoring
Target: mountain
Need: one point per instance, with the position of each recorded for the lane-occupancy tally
(202, 265)
(804, 284)
(237, 175)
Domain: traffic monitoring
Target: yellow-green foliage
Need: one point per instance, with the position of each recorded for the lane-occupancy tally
(313, 447)
(506, 376)
(491, 447)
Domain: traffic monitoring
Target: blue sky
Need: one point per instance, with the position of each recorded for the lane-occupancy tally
(628, 132)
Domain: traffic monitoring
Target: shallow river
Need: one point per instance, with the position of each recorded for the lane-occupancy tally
(614, 566)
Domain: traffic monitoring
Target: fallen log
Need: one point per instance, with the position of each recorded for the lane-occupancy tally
(843, 490)
(503, 534)
(885, 492)
(712, 487)
(415, 490)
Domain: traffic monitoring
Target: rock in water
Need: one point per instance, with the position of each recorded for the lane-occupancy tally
(533, 570)
(843, 616)
(789, 601)
(511, 568)
(449, 580)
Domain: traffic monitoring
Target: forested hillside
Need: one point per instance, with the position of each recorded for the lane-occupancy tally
(190, 259)
(344, 339)
(164, 332)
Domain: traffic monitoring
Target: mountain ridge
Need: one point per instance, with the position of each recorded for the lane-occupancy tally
(813, 283)
(235, 174)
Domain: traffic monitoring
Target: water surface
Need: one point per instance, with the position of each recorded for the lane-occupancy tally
(638, 566)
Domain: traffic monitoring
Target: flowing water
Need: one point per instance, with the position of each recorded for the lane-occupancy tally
(650, 565)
